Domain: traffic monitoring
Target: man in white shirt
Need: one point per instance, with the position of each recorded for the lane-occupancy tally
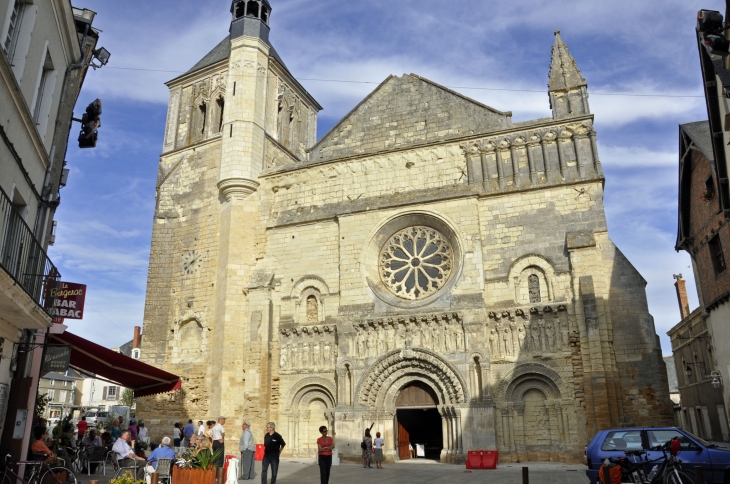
(126, 456)
(201, 429)
(219, 433)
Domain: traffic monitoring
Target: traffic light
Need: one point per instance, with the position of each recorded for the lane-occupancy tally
(90, 121)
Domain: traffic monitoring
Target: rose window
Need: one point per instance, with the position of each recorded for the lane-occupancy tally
(416, 262)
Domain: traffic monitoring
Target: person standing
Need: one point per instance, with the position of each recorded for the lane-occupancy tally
(201, 429)
(188, 431)
(219, 434)
(133, 430)
(248, 449)
(378, 450)
(142, 432)
(176, 435)
(273, 445)
(325, 445)
(82, 425)
(367, 448)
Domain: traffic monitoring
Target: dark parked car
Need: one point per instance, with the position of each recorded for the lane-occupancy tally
(613, 443)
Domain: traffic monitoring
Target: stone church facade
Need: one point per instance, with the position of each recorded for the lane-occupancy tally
(428, 266)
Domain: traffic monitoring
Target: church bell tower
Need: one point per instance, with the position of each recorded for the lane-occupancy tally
(242, 151)
(243, 136)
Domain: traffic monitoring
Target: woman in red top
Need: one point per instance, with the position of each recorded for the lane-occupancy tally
(325, 444)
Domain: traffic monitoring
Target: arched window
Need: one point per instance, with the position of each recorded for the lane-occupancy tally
(312, 309)
(253, 9)
(533, 286)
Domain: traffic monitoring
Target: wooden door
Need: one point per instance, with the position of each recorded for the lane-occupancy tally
(404, 451)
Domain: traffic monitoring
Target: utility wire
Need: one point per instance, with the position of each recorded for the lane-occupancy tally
(344, 81)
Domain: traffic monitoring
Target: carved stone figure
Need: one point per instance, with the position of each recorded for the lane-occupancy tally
(493, 343)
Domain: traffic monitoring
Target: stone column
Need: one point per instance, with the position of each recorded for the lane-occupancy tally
(561, 156)
(596, 160)
(500, 168)
(486, 381)
(457, 419)
(559, 416)
(444, 431)
(515, 166)
(531, 162)
(486, 172)
(579, 160)
(519, 426)
(506, 440)
(546, 158)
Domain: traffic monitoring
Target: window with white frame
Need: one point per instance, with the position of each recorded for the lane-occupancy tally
(53, 382)
(62, 396)
(15, 11)
(135, 353)
(44, 95)
(51, 394)
(65, 383)
(111, 393)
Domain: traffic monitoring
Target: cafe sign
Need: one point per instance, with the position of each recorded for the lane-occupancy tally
(56, 358)
(68, 300)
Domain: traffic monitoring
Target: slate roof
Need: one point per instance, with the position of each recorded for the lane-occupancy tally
(72, 375)
(699, 133)
(222, 51)
(564, 72)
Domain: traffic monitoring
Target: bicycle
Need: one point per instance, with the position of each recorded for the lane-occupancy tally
(669, 471)
(41, 473)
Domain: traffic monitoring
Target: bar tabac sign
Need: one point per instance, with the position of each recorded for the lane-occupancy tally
(68, 300)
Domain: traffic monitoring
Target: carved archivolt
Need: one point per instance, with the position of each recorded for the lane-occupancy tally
(528, 376)
(542, 269)
(397, 367)
(312, 388)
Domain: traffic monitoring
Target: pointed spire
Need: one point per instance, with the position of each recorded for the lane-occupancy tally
(564, 74)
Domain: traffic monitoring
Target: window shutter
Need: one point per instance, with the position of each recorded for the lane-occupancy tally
(103, 397)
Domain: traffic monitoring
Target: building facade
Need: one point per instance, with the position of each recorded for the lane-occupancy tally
(63, 392)
(45, 48)
(703, 233)
(428, 266)
(703, 230)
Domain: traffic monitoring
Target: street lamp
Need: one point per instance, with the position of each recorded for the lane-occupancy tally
(102, 55)
(716, 379)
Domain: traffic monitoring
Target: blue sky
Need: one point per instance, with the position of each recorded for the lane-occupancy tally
(625, 47)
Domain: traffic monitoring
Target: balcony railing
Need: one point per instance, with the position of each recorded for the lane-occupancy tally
(22, 256)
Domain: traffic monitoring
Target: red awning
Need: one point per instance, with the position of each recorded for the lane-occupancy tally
(142, 378)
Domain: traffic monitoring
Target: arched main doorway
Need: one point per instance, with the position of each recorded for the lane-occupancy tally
(418, 427)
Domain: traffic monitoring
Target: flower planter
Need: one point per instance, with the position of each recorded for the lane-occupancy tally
(193, 476)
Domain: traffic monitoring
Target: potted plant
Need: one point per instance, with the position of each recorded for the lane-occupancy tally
(126, 478)
(196, 468)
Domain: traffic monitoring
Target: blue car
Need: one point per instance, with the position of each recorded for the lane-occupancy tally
(613, 443)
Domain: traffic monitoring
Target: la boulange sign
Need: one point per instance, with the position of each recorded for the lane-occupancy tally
(68, 300)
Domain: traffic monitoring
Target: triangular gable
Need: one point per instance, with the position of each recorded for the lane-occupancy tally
(406, 111)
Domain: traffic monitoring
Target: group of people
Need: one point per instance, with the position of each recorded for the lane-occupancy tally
(372, 447)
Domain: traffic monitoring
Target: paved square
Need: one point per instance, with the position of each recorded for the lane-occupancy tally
(303, 471)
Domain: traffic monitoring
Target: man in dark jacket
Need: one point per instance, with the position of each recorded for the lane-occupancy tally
(273, 445)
